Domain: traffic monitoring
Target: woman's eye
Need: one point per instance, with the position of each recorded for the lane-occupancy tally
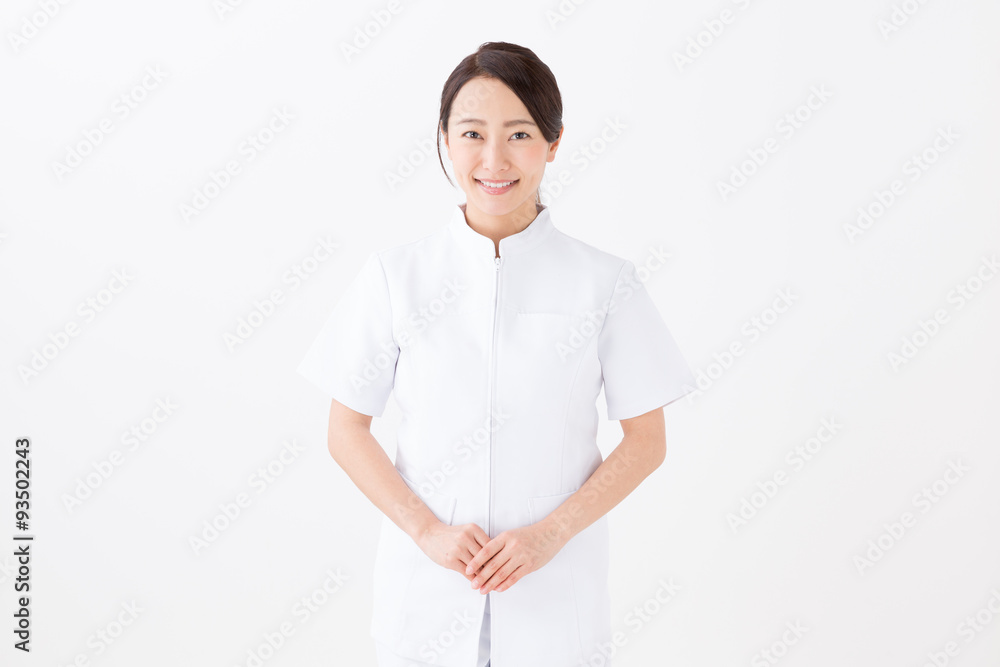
(466, 134)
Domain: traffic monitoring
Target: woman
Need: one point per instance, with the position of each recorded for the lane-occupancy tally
(495, 335)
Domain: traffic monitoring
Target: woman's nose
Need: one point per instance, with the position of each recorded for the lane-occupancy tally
(494, 157)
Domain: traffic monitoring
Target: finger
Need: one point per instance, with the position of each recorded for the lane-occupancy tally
(485, 554)
(464, 560)
(471, 545)
(490, 571)
(474, 538)
(480, 535)
(511, 579)
(498, 577)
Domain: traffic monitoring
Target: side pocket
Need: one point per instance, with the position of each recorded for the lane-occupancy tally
(540, 507)
(552, 597)
(396, 560)
(398, 573)
(442, 505)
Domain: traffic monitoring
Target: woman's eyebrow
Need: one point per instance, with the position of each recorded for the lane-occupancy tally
(509, 123)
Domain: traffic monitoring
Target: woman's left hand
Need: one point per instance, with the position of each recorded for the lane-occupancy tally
(512, 555)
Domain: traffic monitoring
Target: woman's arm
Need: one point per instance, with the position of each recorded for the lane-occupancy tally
(357, 451)
(523, 550)
(641, 451)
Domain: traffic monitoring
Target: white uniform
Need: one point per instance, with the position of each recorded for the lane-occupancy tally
(496, 365)
(387, 658)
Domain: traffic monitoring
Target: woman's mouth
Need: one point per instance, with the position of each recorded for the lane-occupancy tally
(496, 187)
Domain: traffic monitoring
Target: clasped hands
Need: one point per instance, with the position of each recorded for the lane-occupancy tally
(495, 564)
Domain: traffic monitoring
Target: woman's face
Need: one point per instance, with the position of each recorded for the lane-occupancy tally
(492, 140)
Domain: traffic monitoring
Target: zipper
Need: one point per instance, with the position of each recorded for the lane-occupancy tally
(496, 291)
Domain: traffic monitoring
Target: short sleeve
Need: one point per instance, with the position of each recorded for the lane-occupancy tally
(353, 359)
(642, 366)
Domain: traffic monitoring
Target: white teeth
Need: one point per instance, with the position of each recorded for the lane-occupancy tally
(492, 184)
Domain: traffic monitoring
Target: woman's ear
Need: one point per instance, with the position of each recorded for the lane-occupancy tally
(554, 146)
(445, 135)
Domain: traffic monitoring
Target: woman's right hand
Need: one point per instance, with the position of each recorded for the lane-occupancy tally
(452, 547)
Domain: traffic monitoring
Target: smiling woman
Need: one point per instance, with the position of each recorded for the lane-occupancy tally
(501, 120)
(496, 335)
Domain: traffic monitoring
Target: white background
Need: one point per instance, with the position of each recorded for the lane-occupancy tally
(683, 130)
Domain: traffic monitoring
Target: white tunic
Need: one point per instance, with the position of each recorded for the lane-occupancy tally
(496, 365)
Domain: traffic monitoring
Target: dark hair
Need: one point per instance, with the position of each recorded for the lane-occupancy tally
(519, 69)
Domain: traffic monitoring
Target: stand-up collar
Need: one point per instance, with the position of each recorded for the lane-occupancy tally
(536, 232)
